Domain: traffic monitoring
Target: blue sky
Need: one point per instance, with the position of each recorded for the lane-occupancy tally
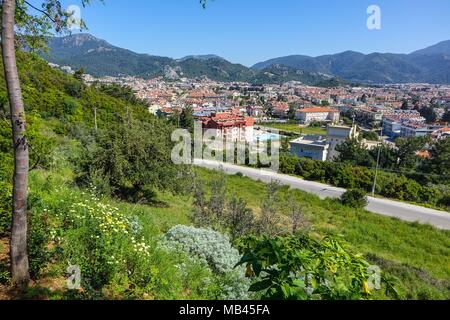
(249, 31)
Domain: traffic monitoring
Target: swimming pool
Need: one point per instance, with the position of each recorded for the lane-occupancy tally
(268, 137)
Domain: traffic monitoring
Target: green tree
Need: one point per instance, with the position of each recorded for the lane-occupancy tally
(79, 74)
(324, 103)
(353, 150)
(407, 150)
(439, 162)
(370, 135)
(446, 116)
(429, 114)
(291, 112)
(119, 91)
(131, 160)
(187, 119)
(388, 156)
(405, 105)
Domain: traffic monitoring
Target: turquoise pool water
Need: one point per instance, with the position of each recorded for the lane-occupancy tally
(268, 136)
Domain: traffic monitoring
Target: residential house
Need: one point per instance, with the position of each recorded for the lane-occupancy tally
(255, 111)
(280, 109)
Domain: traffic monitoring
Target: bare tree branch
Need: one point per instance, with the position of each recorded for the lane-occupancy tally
(40, 10)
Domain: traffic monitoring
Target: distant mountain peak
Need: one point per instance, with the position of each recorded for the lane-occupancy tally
(201, 57)
(430, 65)
(439, 48)
(80, 38)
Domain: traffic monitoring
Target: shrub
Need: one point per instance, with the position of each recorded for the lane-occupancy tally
(299, 267)
(215, 251)
(355, 198)
(208, 245)
(445, 201)
(288, 163)
(133, 159)
(239, 219)
(269, 220)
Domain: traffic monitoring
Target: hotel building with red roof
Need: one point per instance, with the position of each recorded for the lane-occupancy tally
(229, 126)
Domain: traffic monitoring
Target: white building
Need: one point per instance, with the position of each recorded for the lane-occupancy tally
(322, 148)
(310, 146)
(336, 135)
(229, 126)
(319, 114)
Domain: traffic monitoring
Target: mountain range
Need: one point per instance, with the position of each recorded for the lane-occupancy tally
(430, 65)
(99, 58)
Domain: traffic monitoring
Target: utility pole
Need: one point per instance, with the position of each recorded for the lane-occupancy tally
(378, 162)
(95, 119)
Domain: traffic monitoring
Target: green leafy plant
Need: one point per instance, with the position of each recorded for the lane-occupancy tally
(300, 267)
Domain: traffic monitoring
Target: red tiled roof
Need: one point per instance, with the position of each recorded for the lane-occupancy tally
(424, 154)
(227, 120)
(317, 110)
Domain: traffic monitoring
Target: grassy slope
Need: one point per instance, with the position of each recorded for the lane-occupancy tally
(294, 128)
(419, 255)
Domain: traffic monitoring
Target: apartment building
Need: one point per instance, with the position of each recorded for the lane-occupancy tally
(317, 114)
(229, 126)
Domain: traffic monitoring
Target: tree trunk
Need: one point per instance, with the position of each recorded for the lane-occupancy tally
(18, 251)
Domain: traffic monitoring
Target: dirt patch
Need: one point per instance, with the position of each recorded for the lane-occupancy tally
(4, 249)
(5, 293)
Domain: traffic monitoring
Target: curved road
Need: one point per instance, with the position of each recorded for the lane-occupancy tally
(385, 207)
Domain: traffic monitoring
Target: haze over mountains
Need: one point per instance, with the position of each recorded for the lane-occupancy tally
(99, 58)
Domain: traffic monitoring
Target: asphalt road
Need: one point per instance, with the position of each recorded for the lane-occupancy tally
(385, 207)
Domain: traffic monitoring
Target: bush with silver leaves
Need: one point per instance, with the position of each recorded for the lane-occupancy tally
(214, 250)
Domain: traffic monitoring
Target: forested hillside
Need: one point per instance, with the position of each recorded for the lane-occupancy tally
(100, 58)
(105, 197)
(430, 65)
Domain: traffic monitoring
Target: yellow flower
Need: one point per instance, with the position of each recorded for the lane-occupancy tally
(366, 287)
